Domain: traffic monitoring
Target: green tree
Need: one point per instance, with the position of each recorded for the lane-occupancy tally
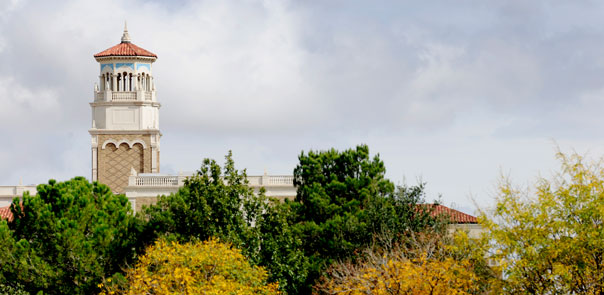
(67, 237)
(344, 200)
(212, 203)
(281, 249)
(12, 290)
(550, 239)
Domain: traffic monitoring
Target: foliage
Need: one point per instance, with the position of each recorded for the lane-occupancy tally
(281, 248)
(209, 268)
(209, 205)
(67, 237)
(6, 289)
(343, 200)
(425, 264)
(397, 275)
(550, 240)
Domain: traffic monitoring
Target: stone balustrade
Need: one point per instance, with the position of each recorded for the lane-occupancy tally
(178, 180)
(156, 181)
(143, 188)
(123, 96)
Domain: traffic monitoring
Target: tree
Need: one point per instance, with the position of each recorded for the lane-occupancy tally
(210, 267)
(344, 200)
(67, 237)
(550, 239)
(281, 248)
(393, 274)
(427, 263)
(10, 290)
(210, 204)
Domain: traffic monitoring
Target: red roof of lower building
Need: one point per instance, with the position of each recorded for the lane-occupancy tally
(453, 215)
(125, 49)
(5, 213)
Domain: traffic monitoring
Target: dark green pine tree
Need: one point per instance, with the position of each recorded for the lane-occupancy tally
(67, 237)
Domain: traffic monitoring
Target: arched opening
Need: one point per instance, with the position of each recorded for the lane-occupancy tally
(144, 81)
(125, 81)
(130, 82)
(119, 82)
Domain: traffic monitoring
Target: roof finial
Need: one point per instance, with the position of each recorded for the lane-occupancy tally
(126, 36)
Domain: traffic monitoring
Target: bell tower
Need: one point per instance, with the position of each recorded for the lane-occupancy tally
(125, 115)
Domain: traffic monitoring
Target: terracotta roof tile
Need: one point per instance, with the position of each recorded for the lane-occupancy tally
(454, 215)
(125, 49)
(5, 213)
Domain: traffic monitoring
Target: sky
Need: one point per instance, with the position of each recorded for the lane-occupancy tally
(451, 93)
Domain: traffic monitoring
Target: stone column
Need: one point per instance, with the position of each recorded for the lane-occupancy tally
(114, 77)
(95, 146)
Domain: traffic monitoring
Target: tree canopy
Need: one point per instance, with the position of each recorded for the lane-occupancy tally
(67, 237)
(549, 239)
(209, 267)
(215, 202)
(344, 201)
(426, 263)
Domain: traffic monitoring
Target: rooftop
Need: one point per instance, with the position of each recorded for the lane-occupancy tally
(125, 48)
(454, 215)
(5, 213)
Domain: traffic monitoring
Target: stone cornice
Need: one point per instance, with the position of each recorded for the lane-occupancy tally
(125, 103)
(132, 58)
(124, 132)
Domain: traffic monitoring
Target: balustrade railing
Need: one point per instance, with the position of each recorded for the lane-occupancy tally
(170, 181)
(254, 180)
(99, 95)
(123, 96)
(281, 180)
(147, 95)
(156, 181)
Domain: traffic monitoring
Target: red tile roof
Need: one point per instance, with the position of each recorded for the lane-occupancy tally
(454, 215)
(125, 49)
(5, 213)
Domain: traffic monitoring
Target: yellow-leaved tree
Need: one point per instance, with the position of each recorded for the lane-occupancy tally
(429, 264)
(549, 239)
(209, 267)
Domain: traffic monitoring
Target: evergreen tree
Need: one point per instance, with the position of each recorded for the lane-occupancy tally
(67, 237)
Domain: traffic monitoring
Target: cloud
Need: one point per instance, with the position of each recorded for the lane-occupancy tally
(450, 91)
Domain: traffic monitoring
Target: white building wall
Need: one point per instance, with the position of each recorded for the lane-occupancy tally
(8, 193)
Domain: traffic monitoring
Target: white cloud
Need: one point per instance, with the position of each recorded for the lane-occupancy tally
(448, 91)
(20, 104)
